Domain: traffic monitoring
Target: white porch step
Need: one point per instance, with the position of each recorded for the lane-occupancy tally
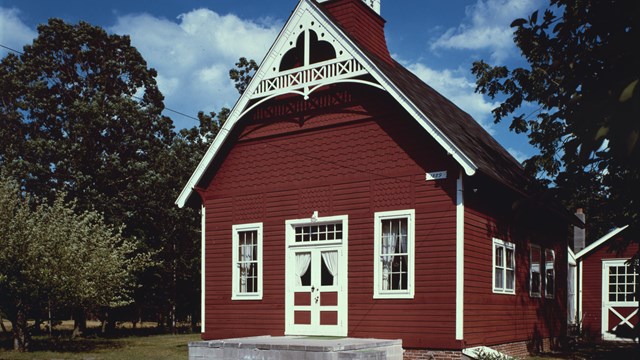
(296, 348)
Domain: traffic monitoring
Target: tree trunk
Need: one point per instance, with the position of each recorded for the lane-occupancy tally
(20, 331)
(4, 329)
(79, 322)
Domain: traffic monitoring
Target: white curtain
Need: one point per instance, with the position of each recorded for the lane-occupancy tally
(302, 264)
(331, 261)
(246, 256)
(389, 241)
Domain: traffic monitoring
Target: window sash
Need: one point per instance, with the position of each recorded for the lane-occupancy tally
(535, 277)
(394, 254)
(550, 276)
(504, 266)
(247, 262)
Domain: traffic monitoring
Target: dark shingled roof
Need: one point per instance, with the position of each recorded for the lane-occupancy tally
(458, 126)
(471, 138)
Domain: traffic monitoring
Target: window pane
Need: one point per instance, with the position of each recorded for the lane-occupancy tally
(535, 283)
(305, 279)
(510, 260)
(399, 272)
(511, 279)
(550, 283)
(499, 256)
(499, 279)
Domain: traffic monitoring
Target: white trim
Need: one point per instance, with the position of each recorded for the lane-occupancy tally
(531, 293)
(203, 241)
(291, 247)
(309, 8)
(505, 245)
(236, 294)
(409, 293)
(572, 287)
(571, 256)
(599, 242)
(579, 310)
(460, 257)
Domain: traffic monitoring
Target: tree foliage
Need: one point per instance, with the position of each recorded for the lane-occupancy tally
(81, 113)
(582, 75)
(242, 73)
(41, 248)
(84, 113)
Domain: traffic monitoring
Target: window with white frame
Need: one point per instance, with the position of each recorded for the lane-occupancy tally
(247, 262)
(550, 273)
(622, 280)
(535, 277)
(504, 267)
(394, 254)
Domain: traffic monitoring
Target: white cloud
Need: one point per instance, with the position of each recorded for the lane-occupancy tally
(487, 26)
(13, 32)
(456, 87)
(193, 55)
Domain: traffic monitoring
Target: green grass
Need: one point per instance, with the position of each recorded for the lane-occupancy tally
(134, 347)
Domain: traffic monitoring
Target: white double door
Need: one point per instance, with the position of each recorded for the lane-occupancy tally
(316, 290)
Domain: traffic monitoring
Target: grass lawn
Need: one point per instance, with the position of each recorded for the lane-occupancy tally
(126, 344)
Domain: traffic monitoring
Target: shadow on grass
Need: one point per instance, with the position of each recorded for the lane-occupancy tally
(56, 344)
(92, 340)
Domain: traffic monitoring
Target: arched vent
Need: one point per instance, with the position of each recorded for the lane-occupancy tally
(318, 50)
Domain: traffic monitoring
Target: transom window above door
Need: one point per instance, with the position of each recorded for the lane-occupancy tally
(320, 232)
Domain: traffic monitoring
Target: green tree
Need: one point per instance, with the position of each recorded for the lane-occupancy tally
(39, 263)
(81, 113)
(582, 75)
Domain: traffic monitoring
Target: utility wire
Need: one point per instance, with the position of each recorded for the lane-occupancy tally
(133, 96)
(10, 49)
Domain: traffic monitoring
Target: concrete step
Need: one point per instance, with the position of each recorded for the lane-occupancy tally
(296, 348)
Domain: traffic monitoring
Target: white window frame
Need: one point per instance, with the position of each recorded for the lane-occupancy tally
(378, 292)
(549, 265)
(236, 293)
(537, 267)
(505, 245)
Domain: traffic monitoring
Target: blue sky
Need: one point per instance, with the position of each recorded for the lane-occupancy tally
(193, 43)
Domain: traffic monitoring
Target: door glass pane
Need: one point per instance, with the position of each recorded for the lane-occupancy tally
(306, 278)
(329, 267)
(327, 278)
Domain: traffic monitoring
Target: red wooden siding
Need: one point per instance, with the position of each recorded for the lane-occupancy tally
(348, 151)
(490, 318)
(592, 282)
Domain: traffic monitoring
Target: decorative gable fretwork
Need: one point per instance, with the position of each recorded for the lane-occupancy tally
(310, 77)
(306, 57)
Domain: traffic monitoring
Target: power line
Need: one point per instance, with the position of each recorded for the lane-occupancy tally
(10, 49)
(133, 96)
